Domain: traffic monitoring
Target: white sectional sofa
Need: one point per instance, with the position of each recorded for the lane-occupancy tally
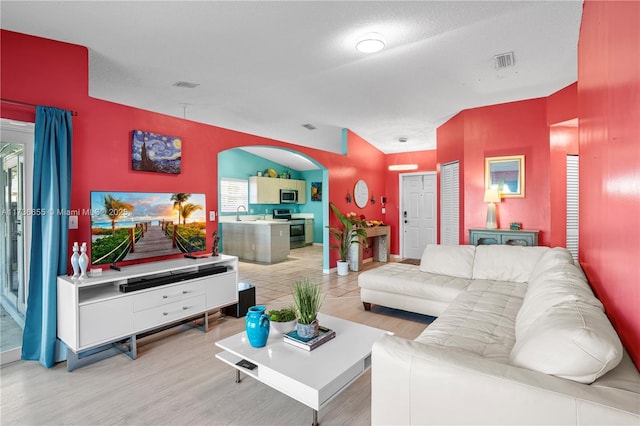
(519, 339)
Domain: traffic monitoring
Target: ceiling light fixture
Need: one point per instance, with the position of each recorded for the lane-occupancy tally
(403, 167)
(370, 43)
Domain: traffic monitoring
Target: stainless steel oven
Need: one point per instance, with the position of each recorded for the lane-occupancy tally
(296, 231)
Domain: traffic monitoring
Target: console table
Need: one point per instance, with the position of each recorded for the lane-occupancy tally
(102, 315)
(523, 237)
(381, 236)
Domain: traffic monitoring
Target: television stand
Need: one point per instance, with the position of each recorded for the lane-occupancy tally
(103, 316)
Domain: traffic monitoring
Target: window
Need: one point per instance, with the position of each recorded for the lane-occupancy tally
(233, 193)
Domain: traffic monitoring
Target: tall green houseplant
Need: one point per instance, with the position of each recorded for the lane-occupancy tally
(307, 299)
(350, 231)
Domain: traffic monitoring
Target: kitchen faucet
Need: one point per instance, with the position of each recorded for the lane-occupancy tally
(238, 212)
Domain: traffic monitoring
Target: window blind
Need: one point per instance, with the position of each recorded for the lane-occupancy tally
(233, 193)
(450, 203)
(573, 199)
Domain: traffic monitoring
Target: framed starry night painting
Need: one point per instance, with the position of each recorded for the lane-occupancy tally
(153, 152)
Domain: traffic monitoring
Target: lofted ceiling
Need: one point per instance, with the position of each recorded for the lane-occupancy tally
(269, 67)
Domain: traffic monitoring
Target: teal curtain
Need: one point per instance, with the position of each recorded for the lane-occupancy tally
(49, 236)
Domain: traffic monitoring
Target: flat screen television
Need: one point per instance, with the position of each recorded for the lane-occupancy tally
(129, 226)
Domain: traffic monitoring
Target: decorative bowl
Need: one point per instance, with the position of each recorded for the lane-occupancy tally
(283, 327)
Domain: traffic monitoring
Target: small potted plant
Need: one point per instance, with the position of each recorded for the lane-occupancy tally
(282, 320)
(307, 299)
(351, 230)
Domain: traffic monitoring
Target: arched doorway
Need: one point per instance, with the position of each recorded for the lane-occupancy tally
(237, 166)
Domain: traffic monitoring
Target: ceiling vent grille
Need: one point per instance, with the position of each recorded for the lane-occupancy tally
(185, 84)
(504, 60)
(309, 126)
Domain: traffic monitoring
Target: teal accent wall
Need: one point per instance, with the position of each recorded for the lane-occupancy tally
(239, 164)
(314, 207)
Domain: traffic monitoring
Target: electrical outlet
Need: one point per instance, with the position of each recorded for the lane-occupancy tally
(212, 216)
(73, 222)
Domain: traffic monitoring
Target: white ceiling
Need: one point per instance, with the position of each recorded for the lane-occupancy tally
(266, 68)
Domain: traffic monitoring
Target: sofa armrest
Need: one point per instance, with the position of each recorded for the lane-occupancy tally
(414, 383)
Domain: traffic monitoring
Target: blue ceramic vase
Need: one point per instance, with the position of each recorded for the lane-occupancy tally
(257, 325)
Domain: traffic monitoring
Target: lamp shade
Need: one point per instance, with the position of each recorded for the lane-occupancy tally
(492, 196)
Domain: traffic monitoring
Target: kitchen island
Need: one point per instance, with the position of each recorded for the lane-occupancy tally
(264, 241)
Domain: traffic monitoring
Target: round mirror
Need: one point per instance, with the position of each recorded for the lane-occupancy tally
(361, 193)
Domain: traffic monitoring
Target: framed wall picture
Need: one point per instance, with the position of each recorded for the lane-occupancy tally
(153, 152)
(505, 174)
(316, 191)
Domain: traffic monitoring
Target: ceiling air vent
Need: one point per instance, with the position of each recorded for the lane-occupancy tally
(309, 126)
(504, 60)
(185, 84)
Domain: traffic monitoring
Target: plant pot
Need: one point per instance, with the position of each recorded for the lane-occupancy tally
(354, 257)
(283, 327)
(307, 331)
(343, 268)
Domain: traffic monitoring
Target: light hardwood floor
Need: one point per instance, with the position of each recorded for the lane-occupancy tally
(176, 379)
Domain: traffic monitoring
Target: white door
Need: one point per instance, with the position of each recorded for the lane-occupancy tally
(418, 213)
(450, 203)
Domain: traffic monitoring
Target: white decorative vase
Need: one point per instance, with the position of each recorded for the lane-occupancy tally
(343, 268)
(83, 261)
(75, 257)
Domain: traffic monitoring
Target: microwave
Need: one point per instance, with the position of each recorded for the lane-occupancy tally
(288, 196)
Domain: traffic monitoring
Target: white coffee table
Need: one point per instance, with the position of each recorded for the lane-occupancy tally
(313, 378)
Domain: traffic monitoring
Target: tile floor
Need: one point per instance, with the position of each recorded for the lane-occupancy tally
(273, 282)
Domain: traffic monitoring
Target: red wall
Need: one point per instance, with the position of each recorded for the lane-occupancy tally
(46, 72)
(451, 144)
(562, 117)
(515, 128)
(609, 133)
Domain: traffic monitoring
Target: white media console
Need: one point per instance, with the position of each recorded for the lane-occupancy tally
(101, 316)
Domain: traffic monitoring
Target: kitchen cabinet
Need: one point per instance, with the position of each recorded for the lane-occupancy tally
(266, 190)
(301, 186)
(308, 231)
(261, 241)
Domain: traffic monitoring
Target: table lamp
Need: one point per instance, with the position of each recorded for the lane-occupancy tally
(492, 196)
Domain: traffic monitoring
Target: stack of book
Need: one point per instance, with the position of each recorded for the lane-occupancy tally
(324, 335)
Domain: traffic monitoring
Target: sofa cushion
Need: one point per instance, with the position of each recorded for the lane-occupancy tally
(479, 322)
(506, 263)
(550, 258)
(452, 260)
(573, 340)
(409, 280)
(560, 283)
